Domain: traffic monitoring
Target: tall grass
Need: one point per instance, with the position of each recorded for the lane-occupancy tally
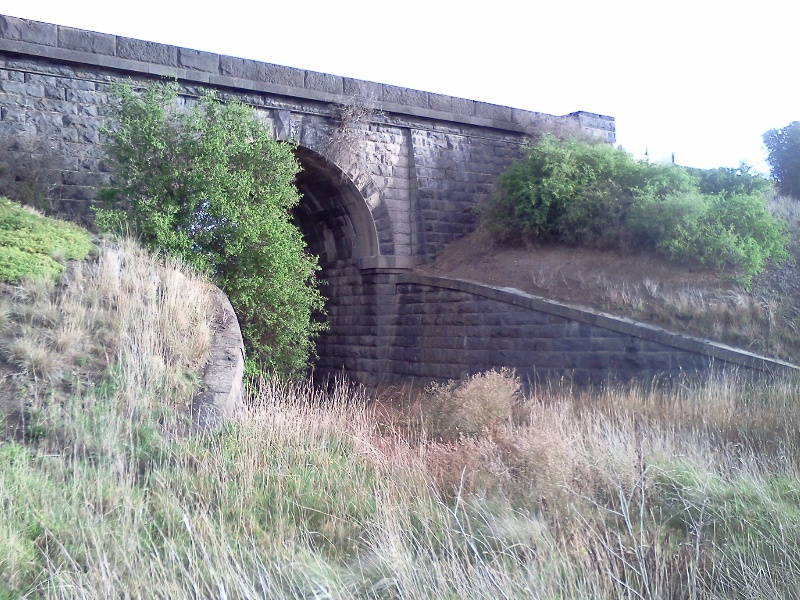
(472, 490)
(688, 493)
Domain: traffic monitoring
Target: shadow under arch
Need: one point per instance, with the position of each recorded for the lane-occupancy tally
(332, 214)
(350, 232)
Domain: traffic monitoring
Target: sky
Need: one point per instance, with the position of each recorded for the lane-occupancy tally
(702, 79)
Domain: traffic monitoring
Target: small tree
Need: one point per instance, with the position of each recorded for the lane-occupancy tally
(205, 182)
(784, 157)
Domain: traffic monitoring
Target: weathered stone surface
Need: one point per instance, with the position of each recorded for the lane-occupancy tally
(221, 396)
(87, 41)
(242, 68)
(323, 82)
(367, 90)
(25, 30)
(492, 111)
(285, 75)
(198, 61)
(148, 52)
(406, 96)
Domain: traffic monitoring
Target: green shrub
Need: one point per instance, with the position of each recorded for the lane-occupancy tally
(31, 245)
(730, 181)
(209, 185)
(587, 193)
(574, 191)
(715, 230)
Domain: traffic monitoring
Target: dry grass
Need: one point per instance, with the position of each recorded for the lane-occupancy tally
(470, 490)
(125, 320)
(762, 319)
(686, 492)
(478, 405)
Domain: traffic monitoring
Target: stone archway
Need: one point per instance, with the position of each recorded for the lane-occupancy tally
(333, 216)
(339, 225)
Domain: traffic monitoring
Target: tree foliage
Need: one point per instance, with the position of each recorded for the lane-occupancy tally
(731, 181)
(203, 180)
(783, 146)
(588, 193)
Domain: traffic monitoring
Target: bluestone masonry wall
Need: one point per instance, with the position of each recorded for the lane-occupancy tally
(414, 166)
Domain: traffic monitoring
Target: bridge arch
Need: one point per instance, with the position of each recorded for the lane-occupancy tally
(333, 215)
(348, 227)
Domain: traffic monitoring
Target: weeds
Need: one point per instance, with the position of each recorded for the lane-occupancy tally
(468, 490)
(345, 145)
(615, 493)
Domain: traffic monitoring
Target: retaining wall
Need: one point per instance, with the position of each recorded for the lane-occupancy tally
(437, 329)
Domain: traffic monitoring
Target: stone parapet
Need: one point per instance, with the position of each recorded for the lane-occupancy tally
(77, 46)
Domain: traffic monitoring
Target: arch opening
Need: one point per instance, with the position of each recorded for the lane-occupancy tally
(339, 228)
(332, 215)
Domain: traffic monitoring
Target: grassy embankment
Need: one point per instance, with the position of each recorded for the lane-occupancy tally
(727, 222)
(462, 491)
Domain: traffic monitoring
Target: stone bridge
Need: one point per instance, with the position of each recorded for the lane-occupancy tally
(390, 175)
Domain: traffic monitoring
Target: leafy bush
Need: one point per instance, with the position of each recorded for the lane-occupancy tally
(592, 194)
(208, 184)
(716, 230)
(31, 245)
(731, 181)
(783, 145)
(574, 191)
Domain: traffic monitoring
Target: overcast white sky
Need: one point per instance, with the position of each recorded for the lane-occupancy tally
(703, 79)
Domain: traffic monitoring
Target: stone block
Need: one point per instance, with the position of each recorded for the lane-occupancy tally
(25, 30)
(86, 110)
(443, 371)
(79, 192)
(42, 79)
(357, 88)
(87, 41)
(323, 82)
(12, 115)
(149, 52)
(463, 106)
(45, 121)
(441, 103)
(623, 362)
(242, 68)
(22, 89)
(412, 355)
(86, 97)
(660, 361)
(494, 112)
(82, 84)
(545, 359)
(82, 178)
(12, 76)
(198, 61)
(405, 96)
(54, 93)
